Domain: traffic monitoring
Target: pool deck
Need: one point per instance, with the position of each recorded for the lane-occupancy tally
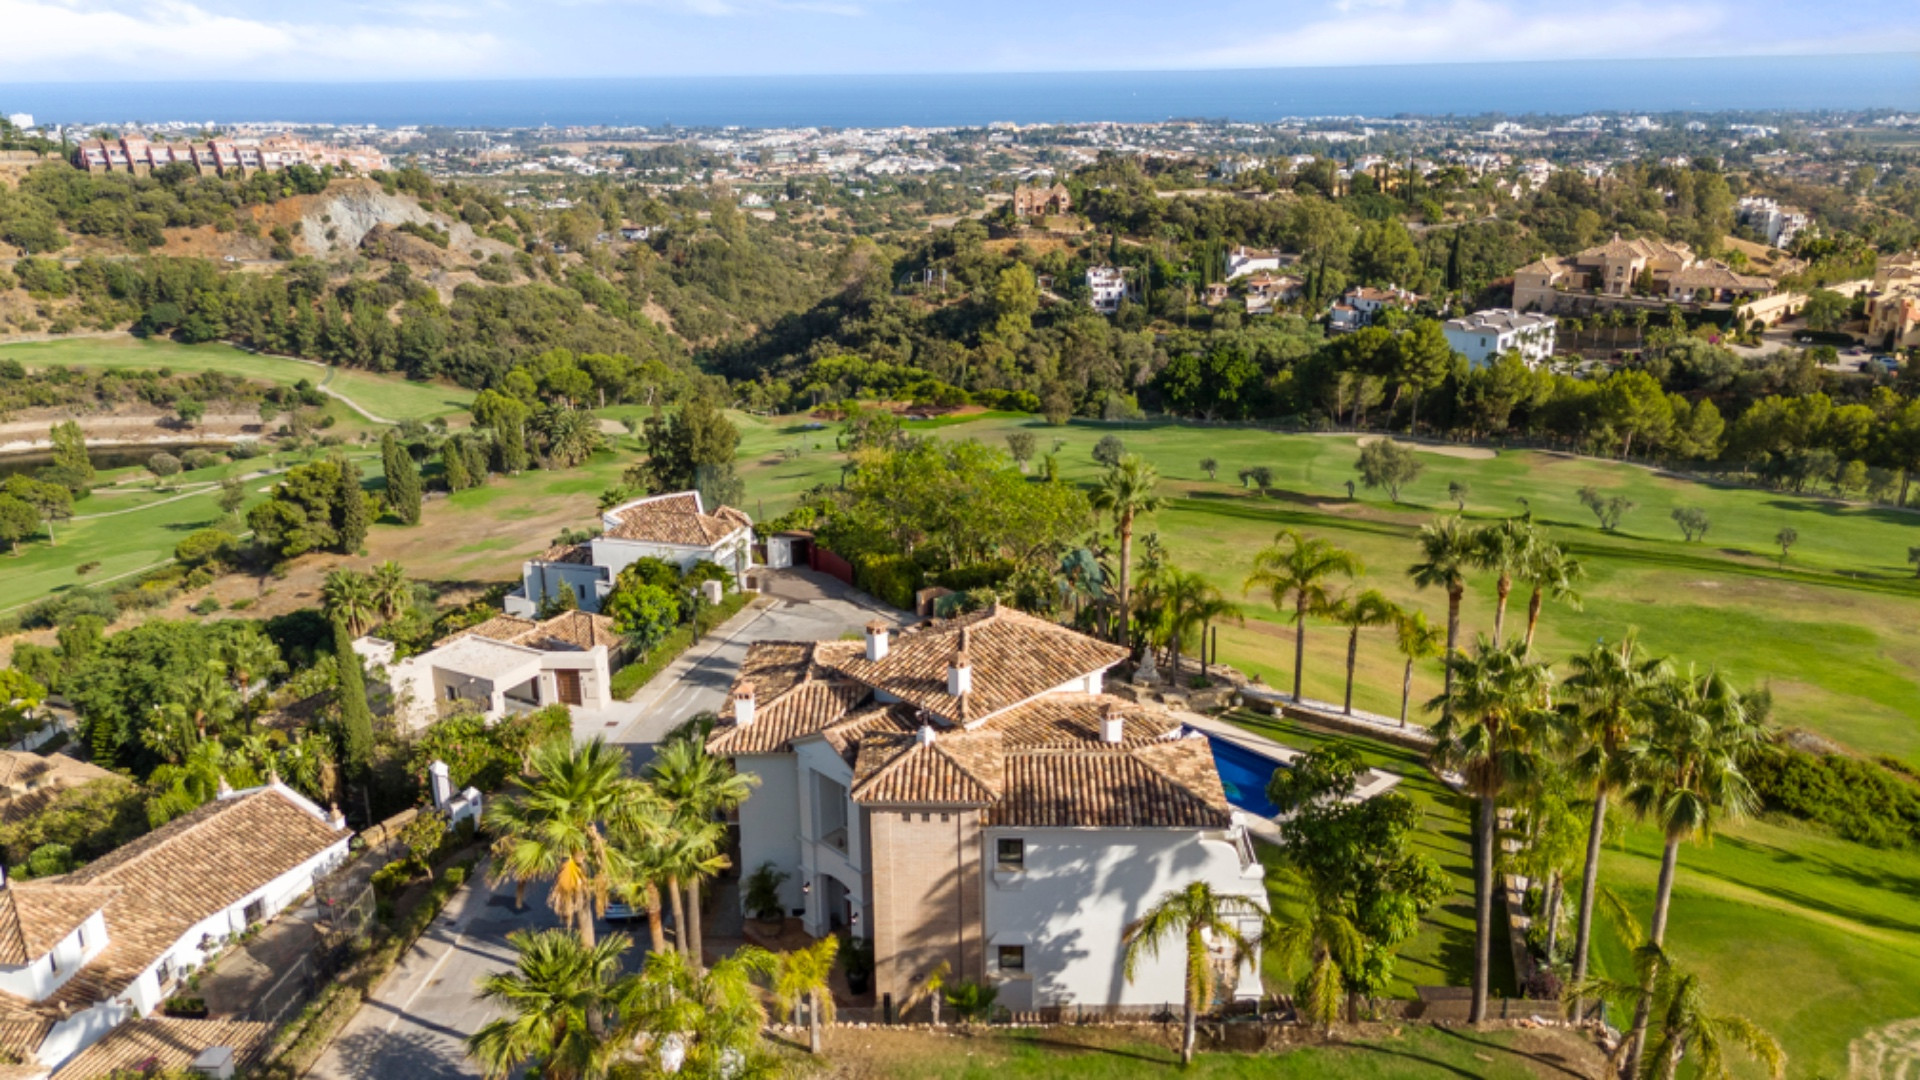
(1378, 781)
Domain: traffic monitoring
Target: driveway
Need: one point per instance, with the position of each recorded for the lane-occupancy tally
(798, 605)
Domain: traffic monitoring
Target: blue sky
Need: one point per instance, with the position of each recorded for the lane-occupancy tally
(70, 40)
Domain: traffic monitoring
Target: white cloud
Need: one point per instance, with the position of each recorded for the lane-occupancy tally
(176, 39)
(1388, 32)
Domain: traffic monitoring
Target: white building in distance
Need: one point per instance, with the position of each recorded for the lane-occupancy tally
(1108, 287)
(1484, 336)
(674, 528)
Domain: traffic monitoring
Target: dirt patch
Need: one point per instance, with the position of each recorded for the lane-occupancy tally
(128, 427)
(1888, 1052)
(1466, 453)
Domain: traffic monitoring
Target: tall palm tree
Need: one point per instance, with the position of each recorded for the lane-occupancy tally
(250, 658)
(551, 827)
(1494, 723)
(693, 851)
(389, 590)
(347, 597)
(643, 846)
(1302, 567)
(1552, 573)
(1194, 914)
(1446, 554)
(1417, 639)
(557, 985)
(1606, 708)
(699, 787)
(699, 1023)
(803, 975)
(1357, 611)
(1502, 549)
(1188, 604)
(1126, 492)
(1323, 944)
(1686, 777)
(308, 765)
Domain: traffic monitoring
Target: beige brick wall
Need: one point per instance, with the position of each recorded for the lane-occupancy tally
(927, 895)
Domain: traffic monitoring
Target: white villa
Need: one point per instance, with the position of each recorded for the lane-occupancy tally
(963, 791)
(1485, 336)
(84, 952)
(1106, 288)
(675, 528)
(1243, 260)
(505, 665)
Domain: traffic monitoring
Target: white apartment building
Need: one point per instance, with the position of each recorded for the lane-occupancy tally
(1484, 336)
(1778, 224)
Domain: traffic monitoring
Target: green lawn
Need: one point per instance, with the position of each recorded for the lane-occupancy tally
(383, 395)
(1411, 1053)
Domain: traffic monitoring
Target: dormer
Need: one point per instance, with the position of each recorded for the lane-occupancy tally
(48, 931)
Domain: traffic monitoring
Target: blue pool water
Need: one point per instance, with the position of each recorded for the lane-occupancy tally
(1244, 773)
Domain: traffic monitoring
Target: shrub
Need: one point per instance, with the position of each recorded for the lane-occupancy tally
(892, 578)
(206, 605)
(1109, 450)
(971, 1001)
(1858, 800)
(206, 546)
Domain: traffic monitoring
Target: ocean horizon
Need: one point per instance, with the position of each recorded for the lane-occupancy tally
(1719, 84)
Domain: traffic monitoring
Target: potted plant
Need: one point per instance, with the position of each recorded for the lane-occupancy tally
(856, 958)
(763, 897)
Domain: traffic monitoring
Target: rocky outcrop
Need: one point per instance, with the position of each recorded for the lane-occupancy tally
(340, 219)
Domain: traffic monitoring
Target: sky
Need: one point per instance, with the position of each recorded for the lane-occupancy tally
(352, 40)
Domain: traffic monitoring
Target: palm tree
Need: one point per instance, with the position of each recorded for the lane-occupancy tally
(1126, 492)
(643, 843)
(1551, 572)
(692, 852)
(1356, 612)
(196, 781)
(1606, 711)
(929, 989)
(1323, 940)
(1300, 566)
(699, 1023)
(308, 765)
(1195, 913)
(1495, 712)
(803, 974)
(1502, 549)
(1188, 604)
(1446, 553)
(250, 658)
(389, 590)
(1417, 639)
(558, 984)
(699, 787)
(1686, 776)
(347, 597)
(550, 829)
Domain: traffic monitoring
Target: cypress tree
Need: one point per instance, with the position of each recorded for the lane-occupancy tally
(475, 451)
(351, 506)
(356, 720)
(453, 456)
(403, 479)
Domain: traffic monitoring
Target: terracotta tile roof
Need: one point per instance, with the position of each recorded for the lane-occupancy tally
(567, 553)
(569, 629)
(37, 915)
(166, 1043)
(498, 628)
(775, 667)
(21, 1030)
(674, 519)
(1167, 784)
(186, 870)
(1014, 657)
(846, 735)
(804, 710)
(959, 768)
(24, 1072)
(29, 781)
(1068, 721)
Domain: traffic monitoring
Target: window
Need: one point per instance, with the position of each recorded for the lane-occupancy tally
(81, 936)
(164, 973)
(255, 912)
(1011, 853)
(53, 962)
(1013, 959)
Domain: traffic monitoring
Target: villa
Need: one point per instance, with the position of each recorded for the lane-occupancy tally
(1620, 272)
(964, 791)
(503, 666)
(1485, 336)
(676, 528)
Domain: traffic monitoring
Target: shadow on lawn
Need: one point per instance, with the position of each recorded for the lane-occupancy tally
(1551, 1061)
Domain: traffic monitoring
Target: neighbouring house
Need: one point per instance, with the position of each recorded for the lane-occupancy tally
(1643, 270)
(964, 791)
(222, 157)
(1242, 261)
(82, 953)
(1041, 201)
(675, 528)
(1779, 225)
(1362, 304)
(208, 1048)
(29, 781)
(1485, 336)
(1893, 305)
(1268, 291)
(1106, 287)
(506, 665)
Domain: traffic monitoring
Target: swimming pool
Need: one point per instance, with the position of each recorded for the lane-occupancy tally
(1244, 773)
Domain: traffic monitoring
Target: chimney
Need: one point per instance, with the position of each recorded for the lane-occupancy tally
(959, 674)
(225, 791)
(743, 704)
(335, 818)
(442, 782)
(876, 641)
(925, 735)
(1113, 726)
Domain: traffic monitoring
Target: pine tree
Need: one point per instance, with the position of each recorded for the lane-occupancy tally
(453, 456)
(403, 479)
(350, 510)
(356, 720)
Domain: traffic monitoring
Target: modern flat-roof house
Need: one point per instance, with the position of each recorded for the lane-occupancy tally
(963, 791)
(84, 952)
(1243, 260)
(1644, 269)
(503, 666)
(1106, 287)
(1485, 336)
(675, 528)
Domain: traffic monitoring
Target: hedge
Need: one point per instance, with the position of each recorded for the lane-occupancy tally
(628, 680)
(1858, 800)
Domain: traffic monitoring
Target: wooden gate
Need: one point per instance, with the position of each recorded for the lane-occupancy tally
(568, 684)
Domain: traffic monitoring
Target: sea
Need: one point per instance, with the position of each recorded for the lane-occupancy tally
(1879, 81)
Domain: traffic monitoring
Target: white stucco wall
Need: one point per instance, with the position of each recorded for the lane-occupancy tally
(540, 582)
(815, 756)
(769, 821)
(1080, 889)
(79, 1031)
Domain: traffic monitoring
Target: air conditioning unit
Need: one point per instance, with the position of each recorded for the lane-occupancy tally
(215, 1063)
